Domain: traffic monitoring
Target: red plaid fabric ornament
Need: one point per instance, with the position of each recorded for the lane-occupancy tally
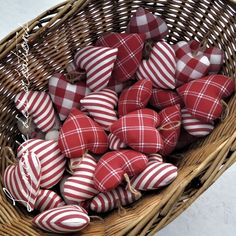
(195, 126)
(21, 181)
(47, 199)
(98, 63)
(202, 97)
(100, 106)
(80, 133)
(65, 95)
(39, 106)
(129, 56)
(135, 97)
(138, 130)
(115, 198)
(170, 128)
(115, 143)
(164, 98)
(160, 67)
(113, 166)
(145, 22)
(181, 49)
(52, 160)
(62, 219)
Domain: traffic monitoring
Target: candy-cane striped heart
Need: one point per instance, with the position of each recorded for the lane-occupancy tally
(100, 106)
(62, 219)
(39, 106)
(155, 157)
(160, 67)
(115, 143)
(108, 201)
(98, 63)
(51, 159)
(195, 126)
(47, 199)
(156, 175)
(22, 180)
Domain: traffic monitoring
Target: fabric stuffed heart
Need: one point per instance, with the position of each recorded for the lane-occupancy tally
(80, 133)
(138, 130)
(21, 181)
(115, 198)
(80, 186)
(52, 160)
(39, 106)
(47, 199)
(129, 56)
(161, 98)
(98, 63)
(62, 219)
(145, 22)
(170, 128)
(135, 97)
(202, 97)
(195, 126)
(113, 166)
(160, 67)
(154, 157)
(65, 95)
(100, 106)
(115, 143)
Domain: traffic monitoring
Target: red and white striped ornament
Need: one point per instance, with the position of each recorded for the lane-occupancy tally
(155, 157)
(51, 159)
(100, 106)
(98, 63)
(39, 106)
(115, 143)
(108, 201)
(64, 219)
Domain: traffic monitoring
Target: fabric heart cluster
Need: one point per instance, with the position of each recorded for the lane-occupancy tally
(102, 139)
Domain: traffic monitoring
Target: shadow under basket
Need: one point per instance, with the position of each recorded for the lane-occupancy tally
(53, 38)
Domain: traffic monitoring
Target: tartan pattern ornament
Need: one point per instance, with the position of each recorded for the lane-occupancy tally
(145, 22)
(115, 143)
(113, 165)
(64, 219)
(39, 106)
(202, 97)
(110, 200)
(160, 67)
(138, 129)
(65, 95)
(129, 55)
(100, 106)
(80, 133)
(135, 97)
(52, 160)
(98, 62)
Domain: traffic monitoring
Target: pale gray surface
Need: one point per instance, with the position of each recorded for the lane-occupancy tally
(214, 213)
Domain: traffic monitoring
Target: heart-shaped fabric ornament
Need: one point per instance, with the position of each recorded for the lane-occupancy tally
(52, 160)
(65, 95)
(202, 97)
(47, 199)
(80, 186)
(145, 22)
(39, 106)
(138, 130)
(170, 128)
(80, 133)
(161, 98)
(181, 49)
(129, 55)
(21, 181)
(115, 198)
(100, 106)
(113, 166)
(135, 97)
(160, 67)
(155, 157)
(195, 126)
(98, 63)
(115, 143)
(62, 219)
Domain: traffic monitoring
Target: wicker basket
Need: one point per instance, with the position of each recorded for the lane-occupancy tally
(54, 37)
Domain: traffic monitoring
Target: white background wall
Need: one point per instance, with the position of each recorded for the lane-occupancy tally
(214, 213)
